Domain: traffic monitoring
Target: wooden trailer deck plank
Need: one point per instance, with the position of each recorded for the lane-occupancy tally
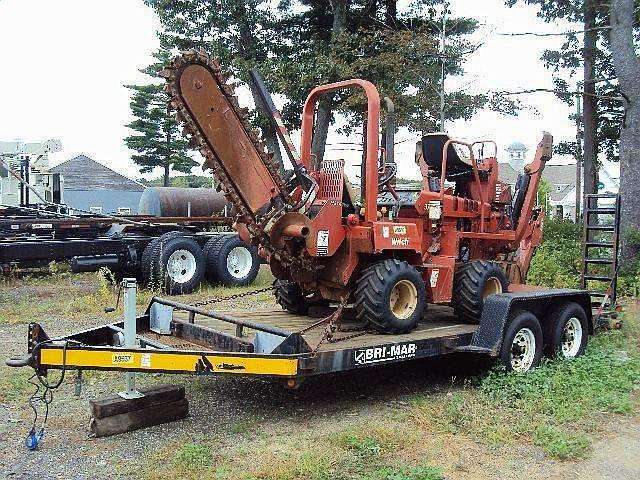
(438, 321)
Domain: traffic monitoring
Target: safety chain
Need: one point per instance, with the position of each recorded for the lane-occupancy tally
(333, 325)
(233, 297)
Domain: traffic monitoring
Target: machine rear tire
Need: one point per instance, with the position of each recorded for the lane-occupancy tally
(230, 261)
(472, 283)
(390, 296)
(290, 297)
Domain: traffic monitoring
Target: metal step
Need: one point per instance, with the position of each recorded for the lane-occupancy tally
(598, 278)
(602, 228)
(601, 261)
(599, 244)
(602, 210)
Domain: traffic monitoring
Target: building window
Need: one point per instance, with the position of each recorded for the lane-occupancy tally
(124, 211)
(95, 209)
(559, 211)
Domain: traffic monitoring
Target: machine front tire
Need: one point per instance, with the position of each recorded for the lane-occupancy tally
(390, 296)
(473, 282)
(290, 297)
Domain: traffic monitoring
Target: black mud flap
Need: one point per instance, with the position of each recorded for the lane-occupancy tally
(498, 309)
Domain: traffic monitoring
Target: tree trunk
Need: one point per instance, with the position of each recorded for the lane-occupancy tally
(589, 101)
(627, 67)
(323, 115)
(165, 177)
(391, 13)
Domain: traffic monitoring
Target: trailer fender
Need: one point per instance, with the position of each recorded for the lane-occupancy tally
(498, 310)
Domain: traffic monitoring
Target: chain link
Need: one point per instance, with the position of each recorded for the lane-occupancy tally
(233, 297)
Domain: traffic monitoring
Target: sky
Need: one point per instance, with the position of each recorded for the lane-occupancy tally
(66, 64)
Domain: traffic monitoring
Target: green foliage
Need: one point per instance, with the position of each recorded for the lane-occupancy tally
(567, 61)
(397, 52)
(183, 181)
(406, 473)
(560, 444)
(557, 406)
(193, 456)
(558, 260)
(157, 139)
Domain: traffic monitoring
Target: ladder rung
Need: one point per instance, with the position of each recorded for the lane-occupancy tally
(601, 210)
(603, 228)
(599, 244)
(601, 195)
(598, 294)
(601, 261)
(598, 278)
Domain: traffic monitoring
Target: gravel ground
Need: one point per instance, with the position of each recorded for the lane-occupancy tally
(221, 405)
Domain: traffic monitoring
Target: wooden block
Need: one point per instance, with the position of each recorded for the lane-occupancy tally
(134, 420)
(115, 404)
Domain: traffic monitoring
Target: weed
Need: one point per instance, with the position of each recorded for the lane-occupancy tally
(193, 456)
(406, 473)
(560, 444)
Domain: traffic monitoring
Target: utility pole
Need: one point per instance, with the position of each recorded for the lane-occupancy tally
(443, 36)
(578, 154)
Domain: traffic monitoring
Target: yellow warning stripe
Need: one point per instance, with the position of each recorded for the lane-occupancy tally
(167, 362)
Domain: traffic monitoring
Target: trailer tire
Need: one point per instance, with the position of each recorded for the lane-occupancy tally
(290, 297)
(472, 283)
(230, 261)
(177, 264)
(567, 331)
(521, 349)
(390, 296)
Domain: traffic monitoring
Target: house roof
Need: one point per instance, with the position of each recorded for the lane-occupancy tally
(557, 196)
(554, 174)
(84, 173)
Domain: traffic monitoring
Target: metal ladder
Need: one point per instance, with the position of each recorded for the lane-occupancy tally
(600, 247)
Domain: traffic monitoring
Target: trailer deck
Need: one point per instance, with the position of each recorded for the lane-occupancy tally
(173, 337)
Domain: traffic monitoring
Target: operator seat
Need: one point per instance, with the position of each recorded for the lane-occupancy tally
(432, 149)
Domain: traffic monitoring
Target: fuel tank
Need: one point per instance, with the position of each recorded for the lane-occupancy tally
(182, 202)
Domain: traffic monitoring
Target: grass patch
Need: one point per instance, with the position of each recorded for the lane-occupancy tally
(14, 384)
(545, 404)
(560, 444)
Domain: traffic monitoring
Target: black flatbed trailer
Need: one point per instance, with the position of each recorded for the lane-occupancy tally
(177, 338)
(119, 243)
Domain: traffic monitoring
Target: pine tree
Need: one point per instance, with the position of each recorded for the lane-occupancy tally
(157, 141)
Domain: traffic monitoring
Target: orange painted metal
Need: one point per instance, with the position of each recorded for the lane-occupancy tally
(372, 140)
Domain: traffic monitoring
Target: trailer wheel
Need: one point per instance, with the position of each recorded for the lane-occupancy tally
(522, 343)
(473, 282)
(391, 296)
(177, 264)
(290, 297)
(230, 261)
(567, 331)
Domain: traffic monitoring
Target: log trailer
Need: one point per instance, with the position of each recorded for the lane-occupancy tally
(389, 277)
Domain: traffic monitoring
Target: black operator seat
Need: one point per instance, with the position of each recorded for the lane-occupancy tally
(432, 151)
